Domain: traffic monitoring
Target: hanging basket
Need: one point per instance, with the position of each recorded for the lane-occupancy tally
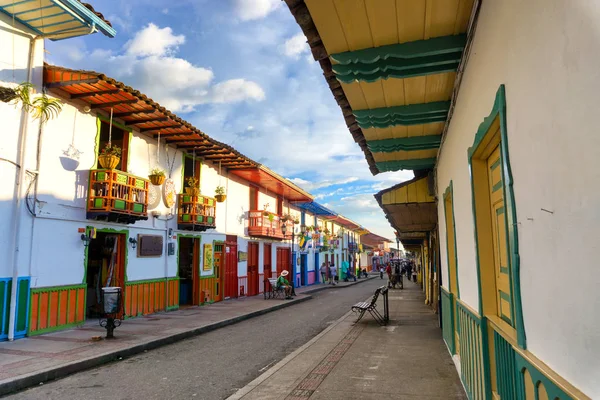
(108, 161)
(220, 197)
(157, 180)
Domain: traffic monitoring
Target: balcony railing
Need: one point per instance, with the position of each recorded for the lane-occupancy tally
(196, 213)
(117, 196)
(267, 226)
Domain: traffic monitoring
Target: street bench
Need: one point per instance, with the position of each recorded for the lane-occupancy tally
(371, 306)
(271, 290)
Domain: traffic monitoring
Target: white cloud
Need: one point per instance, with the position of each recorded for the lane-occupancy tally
(309, 186)
(248, 10)
(296, 46)
(235, 90)
(153, 41)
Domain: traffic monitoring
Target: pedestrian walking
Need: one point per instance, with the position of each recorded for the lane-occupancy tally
(398, 276)
(332, 273)
(323, 271)
(388, 271)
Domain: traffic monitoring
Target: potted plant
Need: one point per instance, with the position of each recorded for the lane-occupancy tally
(157, 176)
(271, 217)
(265, 211)
(193, 188)
(220, 194)
(109, 156)
(41, 107)
(296, 220)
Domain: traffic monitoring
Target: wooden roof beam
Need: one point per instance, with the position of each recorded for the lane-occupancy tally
(158, 128)
(113, 103)
(92, 94)
(145, 121)
(128, 113)
(60, 84)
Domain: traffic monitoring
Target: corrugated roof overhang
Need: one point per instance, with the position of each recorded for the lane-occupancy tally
(57, 19)
(316, 209)
(409, 207)
(391, 66)
(274, 183)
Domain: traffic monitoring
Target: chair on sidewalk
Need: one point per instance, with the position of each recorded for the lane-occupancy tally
(371, 307)
(273, 292)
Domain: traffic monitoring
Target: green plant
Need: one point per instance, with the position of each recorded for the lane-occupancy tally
(157, 171)
(111, 150)
(42, 107)
(192, 182)
(271, 217)
(45, 108)
(220, 190)
(296, 220)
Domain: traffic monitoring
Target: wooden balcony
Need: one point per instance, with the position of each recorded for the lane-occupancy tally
(263, 226)
(196, 213)
(117, 196)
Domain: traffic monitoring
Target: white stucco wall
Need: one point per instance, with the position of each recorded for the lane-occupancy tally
(545, 52)
(14, 62)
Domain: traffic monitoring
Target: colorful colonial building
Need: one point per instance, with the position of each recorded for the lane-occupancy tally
(174, 217)
(492, 104)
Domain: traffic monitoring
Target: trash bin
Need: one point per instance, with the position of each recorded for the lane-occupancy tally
(111, 297)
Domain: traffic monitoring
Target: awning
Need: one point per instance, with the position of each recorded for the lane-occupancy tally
(134, 109)
(273, 183)
(391, 66)
(373, 240)
(345, 222)
(315, 209)
(57, 19)
(409, 207)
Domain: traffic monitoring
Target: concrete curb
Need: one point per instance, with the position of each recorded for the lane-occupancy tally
(61, 371)
(256, 382)
(358, 281)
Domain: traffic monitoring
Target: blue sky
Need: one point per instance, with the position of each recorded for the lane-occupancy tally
(241, 71)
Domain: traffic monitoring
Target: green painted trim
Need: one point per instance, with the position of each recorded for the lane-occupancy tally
(499, 111)
(115, 123)
(144, 281)
(553, 390)
(56, 328)
(97, 143)
(504, 296)
(106, 230)
(449, 192)
(503, 270)
(497, 186)
(407, 144)
(402, 60)
(396, 165)
(410, 50)
(448, 319)
(208, 276)
(414, 114)
(47, 289)
(495, 165)
(500, 211)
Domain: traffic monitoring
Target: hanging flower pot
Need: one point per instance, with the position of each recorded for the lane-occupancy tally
(108, 161)
(157, 176)
(109, 156)
(220, 194)
(194, 191)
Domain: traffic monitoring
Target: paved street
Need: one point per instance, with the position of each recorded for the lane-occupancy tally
(213, 365)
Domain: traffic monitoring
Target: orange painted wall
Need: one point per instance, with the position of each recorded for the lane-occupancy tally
(56, 307)
(207, 290)
(147, 297)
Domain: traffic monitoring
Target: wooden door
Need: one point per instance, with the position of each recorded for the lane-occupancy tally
(231, 265)
(499, 237)
(452, 263)
(280, 261)
(303, 268)
(219, 273)
(267, 265)
(252, 269)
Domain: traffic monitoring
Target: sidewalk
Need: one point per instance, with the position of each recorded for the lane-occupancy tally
(323, 286)
(406, 359)
(27, 362)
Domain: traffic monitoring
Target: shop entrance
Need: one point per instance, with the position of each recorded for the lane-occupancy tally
(303, 268)
(231, 267)
(187, 269)
(252, 269)
(105, 267)
(267, 261)
(219, 265)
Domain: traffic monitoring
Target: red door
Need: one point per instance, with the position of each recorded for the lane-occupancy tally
(283, 262)
(252, 269)
(231, 264)
(267, 261)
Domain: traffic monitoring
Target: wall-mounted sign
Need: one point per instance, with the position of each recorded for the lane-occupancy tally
(227, 250)
(208, 257)
(150, 246)
(242, 256)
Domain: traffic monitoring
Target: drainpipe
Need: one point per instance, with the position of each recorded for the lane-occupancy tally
(20, 178)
